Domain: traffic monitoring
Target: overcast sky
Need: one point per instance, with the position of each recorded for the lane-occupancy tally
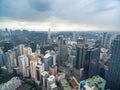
(60, 14)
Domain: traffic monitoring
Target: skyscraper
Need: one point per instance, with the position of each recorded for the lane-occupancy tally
(80, 57)
(33, 64)
(49, 36)
(23, 65)
(9, 62)
(104, 41)
(20, 49)
(1, 60)
(113, 74)
(7, 46)
(48, 61)
(91, 65)
(33, 46)
(39, 69)
(94, 62)
(62, 50)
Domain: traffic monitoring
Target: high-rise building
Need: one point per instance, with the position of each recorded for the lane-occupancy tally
(33, 46)
(44, 76)
(80, 57)
(72, 60)
(12, 56)
(94, 83)
(9, 62)
(94, 62)
(27, 51)
(1, 60)
(112, 75)
(49, 36)
(33, 64)
(48, 61)
(1, 51)
(104, 41)
(23, 65)
(7, 46)
(54, 57)
(39, 70)
(62, 50)
(20, 49)
(91, 65)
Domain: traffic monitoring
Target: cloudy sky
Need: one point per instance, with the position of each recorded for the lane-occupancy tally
(60, 14)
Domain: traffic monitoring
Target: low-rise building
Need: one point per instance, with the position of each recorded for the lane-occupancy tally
(94, 83)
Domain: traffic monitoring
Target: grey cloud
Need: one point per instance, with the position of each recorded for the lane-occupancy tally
(40, 5)
(22, 10)
(101, 13)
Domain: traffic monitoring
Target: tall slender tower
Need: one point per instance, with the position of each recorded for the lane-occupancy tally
(49, 36)
(113, 74)
(62, 50)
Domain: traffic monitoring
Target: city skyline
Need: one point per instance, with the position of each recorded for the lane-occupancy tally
(78, 15)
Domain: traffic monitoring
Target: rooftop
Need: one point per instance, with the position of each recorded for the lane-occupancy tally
(51, 78)
(53, 85)
(44, 73)
(74, 82)
(65, 84)
(47, 55)
(95, 80)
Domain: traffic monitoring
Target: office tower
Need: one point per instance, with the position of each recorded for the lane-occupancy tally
(62, 50)
(1, 60)
(20, 50)
(49, 37)
(91, 65)
(52, 53)
(33, 46)
(81, 41)
(104, 41)
(113, 73)
(94, 62)
(97, 44)
(80, 57)
(1, 51)
(72, 60)
(75, 36)
(7, 46)
(16, 54)
(37, 52)
(39, 70)
(23, 65)
(81, 77)
(27, 50)
(13, 59)
(9, 62)
(94, 83)
(48, 61)
(33, 64)
(44, 76)
(73, 51)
